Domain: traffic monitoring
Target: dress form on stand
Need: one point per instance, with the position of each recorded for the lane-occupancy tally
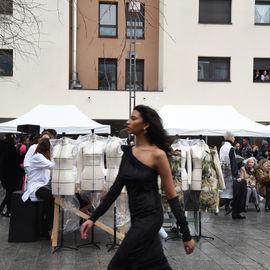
(90, 172)
(90, 160)
(113, 159)
(197, 154)
(185, 163)
(63, 181)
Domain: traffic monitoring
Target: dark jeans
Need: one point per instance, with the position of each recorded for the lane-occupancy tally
(45, 194)
(267, 198)
(239, 197)
(6, 201)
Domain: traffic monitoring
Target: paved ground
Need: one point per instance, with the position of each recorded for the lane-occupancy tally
(238, 244)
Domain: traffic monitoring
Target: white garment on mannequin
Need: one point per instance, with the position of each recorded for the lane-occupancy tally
(113, 159)
(63, 181)
(198, 154)
(185, 160)
(90, 173)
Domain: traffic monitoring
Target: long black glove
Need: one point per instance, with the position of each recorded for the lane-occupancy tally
(180, 218)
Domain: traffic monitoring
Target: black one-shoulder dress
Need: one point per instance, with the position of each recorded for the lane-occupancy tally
(141, 247)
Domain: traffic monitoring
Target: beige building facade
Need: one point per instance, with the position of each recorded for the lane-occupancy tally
(190, 57)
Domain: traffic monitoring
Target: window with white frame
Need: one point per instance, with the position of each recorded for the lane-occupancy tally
(262, 12)
(214, 69)
(107, 19)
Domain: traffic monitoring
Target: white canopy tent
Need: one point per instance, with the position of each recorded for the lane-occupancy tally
(66, 118)
(193, 120)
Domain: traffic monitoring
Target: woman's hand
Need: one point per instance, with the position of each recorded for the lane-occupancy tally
(86, 226)
(189, 246)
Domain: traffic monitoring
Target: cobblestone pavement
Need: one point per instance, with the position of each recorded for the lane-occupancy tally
(237, 245)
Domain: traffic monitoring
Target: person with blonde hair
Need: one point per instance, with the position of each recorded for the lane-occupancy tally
(248, 172)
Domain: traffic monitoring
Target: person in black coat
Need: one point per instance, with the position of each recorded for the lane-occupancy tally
(11, 173)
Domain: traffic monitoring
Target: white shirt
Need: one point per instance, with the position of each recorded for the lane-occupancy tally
(39, 176)
(28, 156)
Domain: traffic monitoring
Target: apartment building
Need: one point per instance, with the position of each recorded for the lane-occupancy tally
(204, 52)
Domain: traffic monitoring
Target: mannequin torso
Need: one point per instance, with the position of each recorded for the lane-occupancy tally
(113, 159)
(90, 172)
(63, 182)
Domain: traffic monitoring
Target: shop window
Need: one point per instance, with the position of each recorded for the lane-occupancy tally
(135, 19)
(6, 62)
(214, 69)
(107, 19)
(215, 11)
(261, 69)
(139, 74)
(107, 74)
(6, 7)
(262, 12)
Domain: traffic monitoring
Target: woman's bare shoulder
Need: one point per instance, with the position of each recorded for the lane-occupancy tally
(157, 152)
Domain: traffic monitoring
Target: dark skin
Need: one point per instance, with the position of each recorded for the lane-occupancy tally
(153, 157)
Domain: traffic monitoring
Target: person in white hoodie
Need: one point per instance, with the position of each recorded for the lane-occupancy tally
(39, 186)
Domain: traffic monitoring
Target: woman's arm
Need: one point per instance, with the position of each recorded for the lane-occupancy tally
(39, 161)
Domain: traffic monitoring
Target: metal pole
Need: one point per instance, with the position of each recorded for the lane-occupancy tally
(135, 64)
(130, 65)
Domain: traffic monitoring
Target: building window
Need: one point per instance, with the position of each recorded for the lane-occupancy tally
(107, 74)
(6, 7)
(215, 11)
(6, 62)
(139, 74)
(107, 19)
(214, 69)
(262, 12)
(135, 19)
(261, 69)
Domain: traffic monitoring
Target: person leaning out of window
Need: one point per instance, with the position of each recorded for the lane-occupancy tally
(248, 172)
(265, 76)
(257, 76)
(263, 179)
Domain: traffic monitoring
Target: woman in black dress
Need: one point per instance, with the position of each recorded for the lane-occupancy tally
(140, 166)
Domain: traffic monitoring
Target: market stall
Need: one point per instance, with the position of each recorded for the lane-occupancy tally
(62, 118)
(192, 120)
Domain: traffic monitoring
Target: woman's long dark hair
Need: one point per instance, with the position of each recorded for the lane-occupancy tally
(44, 148)
(156, 134)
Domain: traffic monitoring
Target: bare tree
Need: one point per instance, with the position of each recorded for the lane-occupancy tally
(20, 26)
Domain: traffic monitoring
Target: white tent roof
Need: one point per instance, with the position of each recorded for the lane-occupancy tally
(66, 118)
(209, 121)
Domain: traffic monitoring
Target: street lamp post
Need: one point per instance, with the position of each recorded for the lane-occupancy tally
(133, 9)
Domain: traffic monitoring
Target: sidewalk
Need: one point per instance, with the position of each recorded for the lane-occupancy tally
(238, 244)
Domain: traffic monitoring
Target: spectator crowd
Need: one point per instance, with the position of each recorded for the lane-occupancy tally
(248, 177)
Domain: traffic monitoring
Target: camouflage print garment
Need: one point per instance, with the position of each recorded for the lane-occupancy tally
(209, 191)
(175, 163)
